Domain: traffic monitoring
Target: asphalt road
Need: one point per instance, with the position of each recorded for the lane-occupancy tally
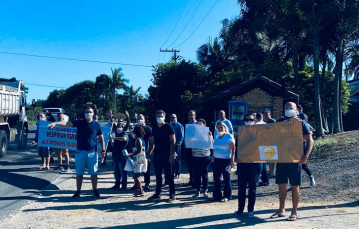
(20, 179)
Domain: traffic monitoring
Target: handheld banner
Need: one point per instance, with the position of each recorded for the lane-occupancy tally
(274, 142)
(197, 137)
(58, 137)
(66, 137)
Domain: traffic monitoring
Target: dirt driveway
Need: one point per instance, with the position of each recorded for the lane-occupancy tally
(54, 208)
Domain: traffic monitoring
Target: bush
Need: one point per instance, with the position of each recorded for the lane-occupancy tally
(325, 143)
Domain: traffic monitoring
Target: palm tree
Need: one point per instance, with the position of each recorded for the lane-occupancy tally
(131, 92)
(117, 82)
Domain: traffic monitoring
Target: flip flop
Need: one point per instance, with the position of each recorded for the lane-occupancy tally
(224, 200)
(292, 218)
(276, 215)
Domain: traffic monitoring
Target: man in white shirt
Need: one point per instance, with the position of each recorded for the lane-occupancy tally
(222, 118)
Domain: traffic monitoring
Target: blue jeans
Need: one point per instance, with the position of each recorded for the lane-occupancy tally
(160, 161)
(176, 165)
(120, 173)
(264, 174)
(201, 172)
(219, 167)
(248, 173)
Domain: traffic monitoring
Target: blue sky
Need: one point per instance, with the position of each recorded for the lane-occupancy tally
(110, 31)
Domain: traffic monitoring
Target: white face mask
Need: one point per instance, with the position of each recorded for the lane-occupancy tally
(290, 113)
(140, 122)
(221, 133)
(119, 130)
(249, 123)
(88, 115)
(160, 120)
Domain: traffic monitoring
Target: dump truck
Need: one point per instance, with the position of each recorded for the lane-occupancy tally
(13, 115)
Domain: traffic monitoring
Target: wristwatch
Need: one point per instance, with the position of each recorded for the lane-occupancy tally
(103, 151)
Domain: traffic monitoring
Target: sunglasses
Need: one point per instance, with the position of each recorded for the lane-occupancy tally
(248, 120)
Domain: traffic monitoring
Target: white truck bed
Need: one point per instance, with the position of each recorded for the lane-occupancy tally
(9, 98)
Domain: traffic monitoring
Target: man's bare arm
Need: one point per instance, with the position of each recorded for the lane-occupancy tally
(310, 144)
(173, 148)
(67, 124)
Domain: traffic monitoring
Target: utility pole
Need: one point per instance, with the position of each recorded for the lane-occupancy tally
(175, 57)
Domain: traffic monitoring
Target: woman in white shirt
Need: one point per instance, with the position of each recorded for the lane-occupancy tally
(223, 156)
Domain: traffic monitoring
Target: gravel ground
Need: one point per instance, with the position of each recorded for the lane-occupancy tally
(332, 203)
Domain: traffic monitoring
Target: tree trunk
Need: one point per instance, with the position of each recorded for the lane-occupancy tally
(323, 98)
(114, 99)
(295, 67)
(317, 106)
(338, 73)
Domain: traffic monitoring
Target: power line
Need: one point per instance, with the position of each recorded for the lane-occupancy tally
(72, 59)
(43, 85)
(187, 24)
(176, 24)
(198, 25)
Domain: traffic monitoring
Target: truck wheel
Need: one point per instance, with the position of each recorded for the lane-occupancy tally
(21, 143)
(3, 143)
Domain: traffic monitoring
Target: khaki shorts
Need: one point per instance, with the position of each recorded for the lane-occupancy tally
(65, 152)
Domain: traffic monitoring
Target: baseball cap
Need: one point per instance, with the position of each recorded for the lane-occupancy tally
(266, 110)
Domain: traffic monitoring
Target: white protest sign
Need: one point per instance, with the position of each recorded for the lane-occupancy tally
(197, 137)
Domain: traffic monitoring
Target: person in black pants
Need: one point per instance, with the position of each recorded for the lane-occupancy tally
(163, 149)
(189, 156)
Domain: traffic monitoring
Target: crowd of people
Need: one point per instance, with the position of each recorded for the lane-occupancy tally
(161, 146)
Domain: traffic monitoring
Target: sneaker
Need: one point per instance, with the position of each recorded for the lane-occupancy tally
(95, 193)
(66, 169)
(263, 184)
(312, 181)
(147, 187)
(250, 215)
(154, 197)
(176, 176)
(77, 195)
(172, 198)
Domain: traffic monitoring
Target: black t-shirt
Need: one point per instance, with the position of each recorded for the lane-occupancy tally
(148, 134)
(161, 137)
(87, 134)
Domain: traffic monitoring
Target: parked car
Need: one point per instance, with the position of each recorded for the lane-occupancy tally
(55, 111)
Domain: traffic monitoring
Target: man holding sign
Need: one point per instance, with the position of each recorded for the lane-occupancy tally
(292, 171)
(86, 155)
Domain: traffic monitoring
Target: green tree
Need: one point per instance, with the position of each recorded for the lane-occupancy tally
(117, 82)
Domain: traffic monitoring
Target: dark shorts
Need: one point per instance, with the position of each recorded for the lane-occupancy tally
(288, 171)
(43, 151)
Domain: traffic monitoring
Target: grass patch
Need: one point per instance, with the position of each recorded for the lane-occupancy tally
(325, 143)
(341, 211)
(350, 141)
(31, 123)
